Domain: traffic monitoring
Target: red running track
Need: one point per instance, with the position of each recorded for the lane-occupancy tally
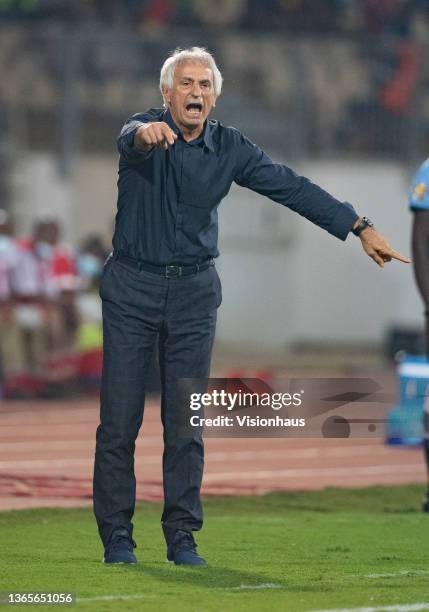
(47, 448)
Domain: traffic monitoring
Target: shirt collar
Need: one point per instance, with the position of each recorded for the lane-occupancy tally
(207, 133)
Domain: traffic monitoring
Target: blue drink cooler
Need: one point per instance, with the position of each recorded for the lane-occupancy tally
(413, 375)
(405, 421)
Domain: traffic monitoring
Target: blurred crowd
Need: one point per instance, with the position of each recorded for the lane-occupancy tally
(375, 16)
(344, 77)
(49, 307)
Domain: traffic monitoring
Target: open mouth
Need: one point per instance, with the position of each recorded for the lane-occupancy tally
(194, 109)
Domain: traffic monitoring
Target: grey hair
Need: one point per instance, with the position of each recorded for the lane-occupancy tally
(194, 54)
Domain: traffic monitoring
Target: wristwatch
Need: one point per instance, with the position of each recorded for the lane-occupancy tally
(362, 225)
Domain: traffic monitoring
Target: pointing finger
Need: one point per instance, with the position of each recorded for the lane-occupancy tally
(398, 256)
(169, 135)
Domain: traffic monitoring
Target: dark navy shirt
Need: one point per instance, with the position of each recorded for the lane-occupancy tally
(168, 199)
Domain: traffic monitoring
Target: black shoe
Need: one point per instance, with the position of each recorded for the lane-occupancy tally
(425, 506)
(183, 550)
(120, 548)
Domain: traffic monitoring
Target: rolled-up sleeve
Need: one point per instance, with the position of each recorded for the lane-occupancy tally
(256, 171)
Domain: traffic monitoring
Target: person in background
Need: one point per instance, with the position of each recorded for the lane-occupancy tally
(419, 205)
(8, 256)
(21, 296)
(60, 280)
(90, 260)
(8, 252)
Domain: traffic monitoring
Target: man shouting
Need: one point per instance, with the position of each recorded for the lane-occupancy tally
(160, 283)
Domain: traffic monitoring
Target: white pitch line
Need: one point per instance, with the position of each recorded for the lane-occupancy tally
(400, 573)
(241, 587)
(112, 598)
(394, 608)
(249, 587)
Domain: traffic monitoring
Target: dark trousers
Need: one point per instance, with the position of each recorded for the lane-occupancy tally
(140, 307)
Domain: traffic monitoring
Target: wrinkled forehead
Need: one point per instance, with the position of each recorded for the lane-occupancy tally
(194, 69)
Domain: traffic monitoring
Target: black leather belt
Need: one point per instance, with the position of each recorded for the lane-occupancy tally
(167, 271)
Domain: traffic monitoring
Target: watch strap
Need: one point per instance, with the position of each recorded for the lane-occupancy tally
(362, 225)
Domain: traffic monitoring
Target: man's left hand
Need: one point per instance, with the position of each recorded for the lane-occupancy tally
(377, 247)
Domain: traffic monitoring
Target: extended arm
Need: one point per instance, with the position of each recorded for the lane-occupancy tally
(258, 172)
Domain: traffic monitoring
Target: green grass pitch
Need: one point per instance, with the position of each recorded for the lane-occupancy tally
(331, 549)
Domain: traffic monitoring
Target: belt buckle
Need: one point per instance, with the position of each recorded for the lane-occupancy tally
(173, 271)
